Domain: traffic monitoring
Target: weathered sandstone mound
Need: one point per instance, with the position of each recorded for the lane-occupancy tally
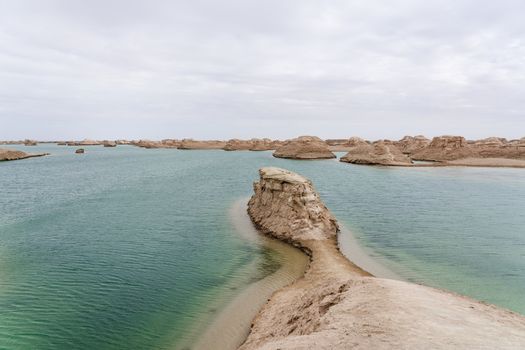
(304, 147)
(411, 144)
(238, 145)
(266, 145)
(443, 148)
(344, 145)
(9, 154)
(251, 145)
(30, 142)
(188, 144)
(167, 143)
(109, 143)
(495, 147)
(336, 305)
(312, 220)
(379, 153)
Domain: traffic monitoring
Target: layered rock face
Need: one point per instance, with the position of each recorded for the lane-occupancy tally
(379, 153)
(411, 144)
(336, 305)
(311, 219)
(443, 148)
(304, 147)
(9, 154)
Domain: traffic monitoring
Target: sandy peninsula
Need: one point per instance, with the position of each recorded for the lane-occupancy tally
(337, 305)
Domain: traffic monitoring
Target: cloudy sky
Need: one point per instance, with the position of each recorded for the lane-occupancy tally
(223, 69)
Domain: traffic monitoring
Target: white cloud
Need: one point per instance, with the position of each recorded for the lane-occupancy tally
(226, 69)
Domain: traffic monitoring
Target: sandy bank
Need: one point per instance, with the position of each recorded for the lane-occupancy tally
(231, 325)
(337, 305)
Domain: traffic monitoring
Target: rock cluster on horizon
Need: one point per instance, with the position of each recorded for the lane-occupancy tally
(304, 147)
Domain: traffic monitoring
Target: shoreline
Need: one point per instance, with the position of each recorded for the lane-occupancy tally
(337, 305)
(229, 328)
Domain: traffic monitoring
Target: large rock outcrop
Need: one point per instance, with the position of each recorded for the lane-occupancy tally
(379, 153)
(311, 219)
(304, 147)
(443, 148)
(9, 154)
(496, 147)
(411, 144)
(336, 305)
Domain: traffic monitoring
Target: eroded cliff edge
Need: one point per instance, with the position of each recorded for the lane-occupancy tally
(336, 305)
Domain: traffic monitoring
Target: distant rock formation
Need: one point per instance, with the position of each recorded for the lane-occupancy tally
(9, 154)
(411, 144)
(344, 145)
(304, 147)
(251, 145)
(79, 151)
(337, 305)
(379, 153)
(30, 142)
(265, 145)
(167, 143)
(109, 143)
(238, 145)
(188, 144)
(443, 148)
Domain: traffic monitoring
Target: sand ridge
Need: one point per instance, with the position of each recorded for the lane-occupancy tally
(337, 305)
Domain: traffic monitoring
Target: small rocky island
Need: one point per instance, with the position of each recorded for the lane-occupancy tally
(9, 154)
(304, 147)
(337, 305)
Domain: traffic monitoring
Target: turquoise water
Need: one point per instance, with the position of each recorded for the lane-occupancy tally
(128, 248)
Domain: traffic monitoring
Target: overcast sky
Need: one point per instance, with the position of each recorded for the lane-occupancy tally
(155, 69)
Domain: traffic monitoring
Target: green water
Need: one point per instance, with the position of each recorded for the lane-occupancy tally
(128, 248)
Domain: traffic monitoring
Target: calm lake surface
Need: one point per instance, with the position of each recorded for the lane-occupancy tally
(130, 248)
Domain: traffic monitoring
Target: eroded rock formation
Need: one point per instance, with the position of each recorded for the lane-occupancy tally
(304, 147)
(9, 154)
(344, 145)
(443, 148)
(336, 305)
(411, 144)
(188, 144)
(379, 153)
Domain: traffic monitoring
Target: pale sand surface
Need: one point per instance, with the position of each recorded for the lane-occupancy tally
(489, 162)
